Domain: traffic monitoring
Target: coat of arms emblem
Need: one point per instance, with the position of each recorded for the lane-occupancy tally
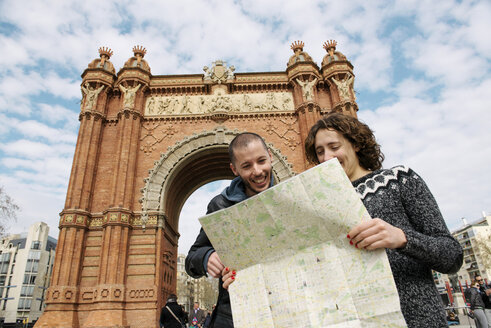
(219, 72)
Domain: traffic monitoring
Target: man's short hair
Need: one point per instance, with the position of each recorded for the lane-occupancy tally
(242, 140)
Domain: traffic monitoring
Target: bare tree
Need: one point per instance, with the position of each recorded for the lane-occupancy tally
(8, 210)
(483, 242)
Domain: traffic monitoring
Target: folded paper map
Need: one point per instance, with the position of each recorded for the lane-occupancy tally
(295, 265)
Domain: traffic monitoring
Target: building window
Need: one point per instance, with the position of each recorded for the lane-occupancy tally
(29, 279)
(26, 291)
(36, 244)
(4, 263)
(24, 304)
(33, 261)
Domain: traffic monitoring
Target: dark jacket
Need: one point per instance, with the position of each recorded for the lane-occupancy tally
(207, 321)
(485, 298)
(475, 299)
(167, 320)
(200, 252)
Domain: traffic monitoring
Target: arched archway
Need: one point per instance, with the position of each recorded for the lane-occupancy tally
(117, 247)
(189, 164)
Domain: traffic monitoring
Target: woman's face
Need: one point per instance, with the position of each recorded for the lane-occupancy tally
(329, 144)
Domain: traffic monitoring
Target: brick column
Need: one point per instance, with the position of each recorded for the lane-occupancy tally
(111, 289)
(62, 295)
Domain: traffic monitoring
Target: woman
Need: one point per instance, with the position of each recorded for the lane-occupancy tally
(406, 219)
(477, 305)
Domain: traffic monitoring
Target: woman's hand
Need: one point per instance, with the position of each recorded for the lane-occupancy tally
(215, 265)
(377, 233)
(228, 277)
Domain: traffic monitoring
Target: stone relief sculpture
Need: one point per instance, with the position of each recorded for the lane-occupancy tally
(270, 103)
(91, 95)
(151, 105)
(208, 72)
(307, 88)
(230, 72)
(163, 107)
(344, 87)
(129, 95)
(287, 102)
(247, 103)
(186, 105)
(220, 102)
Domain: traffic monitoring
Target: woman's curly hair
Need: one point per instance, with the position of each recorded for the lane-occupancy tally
(357, 133)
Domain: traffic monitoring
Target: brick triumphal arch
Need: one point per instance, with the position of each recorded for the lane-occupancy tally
(145, 143)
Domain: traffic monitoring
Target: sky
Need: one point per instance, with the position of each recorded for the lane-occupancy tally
(422, 70)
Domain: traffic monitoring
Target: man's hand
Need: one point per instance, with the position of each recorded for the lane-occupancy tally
(215, 265)
(377, 233)
(228, 277)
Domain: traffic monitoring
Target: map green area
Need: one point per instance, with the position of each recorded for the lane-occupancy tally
(295, 265)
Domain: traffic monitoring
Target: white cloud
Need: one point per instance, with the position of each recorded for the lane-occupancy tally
(33, 149)
(446, 142)
(57, 113)
(194, 208)
(434, 118)
(36, 204)
(34, 129)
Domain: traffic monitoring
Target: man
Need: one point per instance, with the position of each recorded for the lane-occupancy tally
(197, 315)
(486, 297)
(251, 162)
(171, 315)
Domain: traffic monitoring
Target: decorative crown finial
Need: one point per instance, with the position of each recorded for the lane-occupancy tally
(297, 45)
(139, 50)
(330, 44)
(105, 51)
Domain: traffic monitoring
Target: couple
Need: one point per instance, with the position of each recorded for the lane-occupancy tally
(406, 219)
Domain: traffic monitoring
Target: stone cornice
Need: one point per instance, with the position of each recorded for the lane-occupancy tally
(307, 106)
(127, 112)
(88, 114)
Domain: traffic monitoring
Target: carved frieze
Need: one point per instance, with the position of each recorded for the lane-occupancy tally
(220, 102)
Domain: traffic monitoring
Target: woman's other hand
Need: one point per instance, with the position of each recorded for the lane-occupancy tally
(228, 277)
(376, 233)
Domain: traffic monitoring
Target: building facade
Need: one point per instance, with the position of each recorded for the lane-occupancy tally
(475, 239)
(190, 290)
(145, 143)
(26, 265)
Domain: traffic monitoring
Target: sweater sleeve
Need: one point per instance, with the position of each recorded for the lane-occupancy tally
(430, 242)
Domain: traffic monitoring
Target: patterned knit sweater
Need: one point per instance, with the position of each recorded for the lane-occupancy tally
(400, 197)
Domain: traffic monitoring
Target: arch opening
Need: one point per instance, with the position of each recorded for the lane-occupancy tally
(193, 172)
